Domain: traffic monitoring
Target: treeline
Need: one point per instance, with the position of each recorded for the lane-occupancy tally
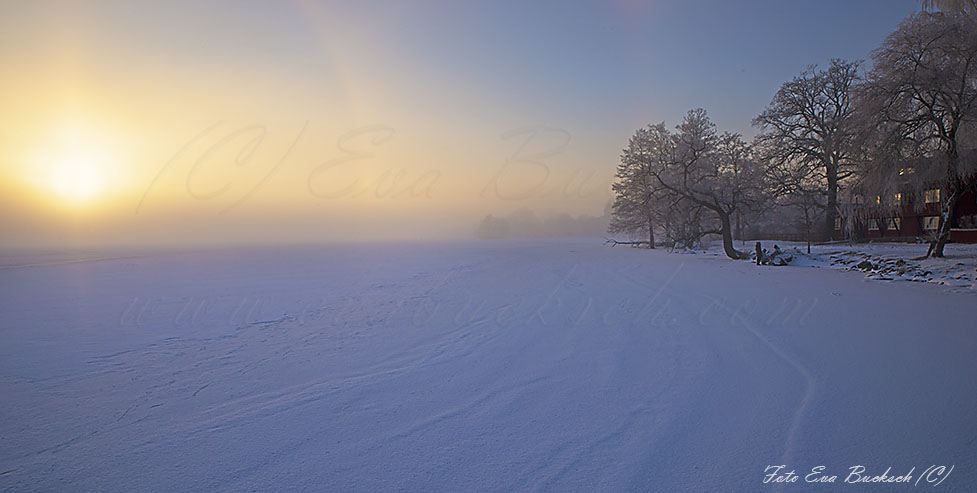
(829, 135)
(524, 223)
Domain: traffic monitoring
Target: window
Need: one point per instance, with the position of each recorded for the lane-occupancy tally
(838, 223)
(931, 223)
(893, 223)
(933, 196)
(873, 225)
(878, 200)
(897, 199)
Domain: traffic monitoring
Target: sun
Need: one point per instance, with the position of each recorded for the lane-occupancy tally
(77, 179)
(75, 167)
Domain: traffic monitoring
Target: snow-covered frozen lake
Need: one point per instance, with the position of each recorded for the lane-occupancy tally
(511, 365)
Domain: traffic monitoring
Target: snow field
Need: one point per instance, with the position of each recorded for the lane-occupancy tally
(540, 365)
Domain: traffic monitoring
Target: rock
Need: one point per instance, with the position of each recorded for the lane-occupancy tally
(865, 265)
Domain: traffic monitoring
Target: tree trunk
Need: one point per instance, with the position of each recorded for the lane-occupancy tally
(946, 220)
(832, 209)
(727, 234)
(807, 225)
(952, 189)
(651, 234)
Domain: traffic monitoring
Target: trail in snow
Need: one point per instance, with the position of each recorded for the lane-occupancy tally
(552, 365)
(809, 381)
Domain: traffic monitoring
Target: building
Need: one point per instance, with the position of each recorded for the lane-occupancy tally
(899, 217)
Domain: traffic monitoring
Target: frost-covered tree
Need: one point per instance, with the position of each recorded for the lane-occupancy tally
(958, 6)
(922, 93)
(636, 209)
(714, 173)
(641, 205)
(683, 223)
(808, 128)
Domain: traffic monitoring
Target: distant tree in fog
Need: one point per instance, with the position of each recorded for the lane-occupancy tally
(492, 227)
(524, 223)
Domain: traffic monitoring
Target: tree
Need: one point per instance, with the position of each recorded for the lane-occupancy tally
(695, 170)
(491, 227)
(682, 223)
(958, 6)
(634, 211)
(808, 128)
(641, 205)
(922, 92)
(797, 188)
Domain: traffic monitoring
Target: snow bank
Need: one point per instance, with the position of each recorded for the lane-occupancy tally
(891, 261)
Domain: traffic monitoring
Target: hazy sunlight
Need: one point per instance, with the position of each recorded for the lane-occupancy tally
(74, 167)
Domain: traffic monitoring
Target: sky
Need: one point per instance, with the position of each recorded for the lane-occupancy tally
(184, 122)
